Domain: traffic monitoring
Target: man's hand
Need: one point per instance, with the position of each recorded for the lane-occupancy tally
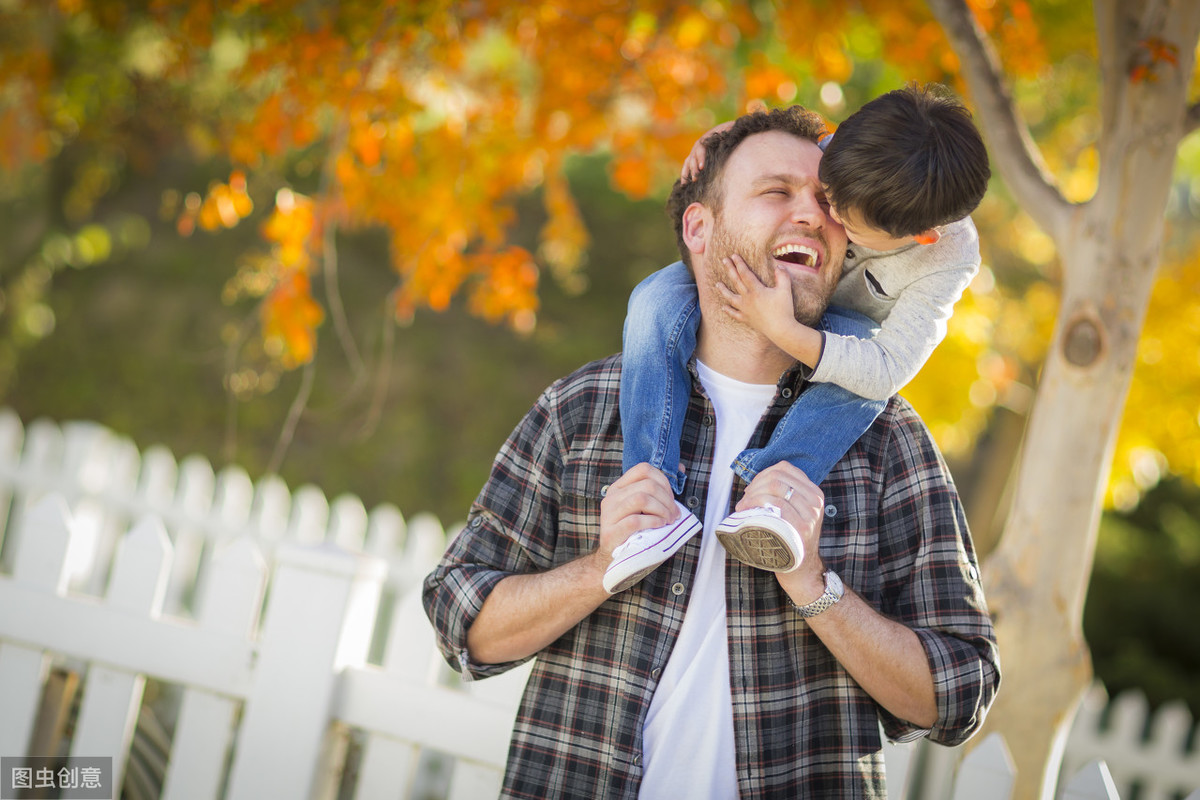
(639, 499)
(525, 613)
(801, 503)
(884, 656)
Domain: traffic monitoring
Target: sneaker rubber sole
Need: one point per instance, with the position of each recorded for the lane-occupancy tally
(763, 541)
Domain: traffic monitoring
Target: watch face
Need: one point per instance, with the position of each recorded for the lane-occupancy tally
(833, 583)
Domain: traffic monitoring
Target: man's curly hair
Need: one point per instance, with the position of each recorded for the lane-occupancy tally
(707, 186)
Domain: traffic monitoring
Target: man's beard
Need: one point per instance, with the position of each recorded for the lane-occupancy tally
(809, 299)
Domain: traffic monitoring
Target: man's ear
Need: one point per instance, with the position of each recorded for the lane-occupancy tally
(928, 237)
(697, 226)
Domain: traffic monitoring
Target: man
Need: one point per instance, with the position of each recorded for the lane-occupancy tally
(709, 678)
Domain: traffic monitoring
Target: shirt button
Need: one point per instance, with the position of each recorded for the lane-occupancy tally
(677, 589)
(637, 761)
(604, 490)
(707, 419)
(693, 501)
(974, 573)
(476, 521)
(849, 253)
(787, 393)
(654, 673)
(831, 510)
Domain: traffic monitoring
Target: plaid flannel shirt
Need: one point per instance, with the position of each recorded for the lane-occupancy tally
(894, 531)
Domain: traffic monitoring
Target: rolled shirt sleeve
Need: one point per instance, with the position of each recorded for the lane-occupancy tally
(940, 596)
(510, 530)
(454, 594)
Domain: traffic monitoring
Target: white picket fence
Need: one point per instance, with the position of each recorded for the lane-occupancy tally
(222, 638)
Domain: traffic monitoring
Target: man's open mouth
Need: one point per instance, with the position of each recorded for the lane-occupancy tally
(796, 254)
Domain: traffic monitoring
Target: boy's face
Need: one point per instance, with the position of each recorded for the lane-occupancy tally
(862, 234)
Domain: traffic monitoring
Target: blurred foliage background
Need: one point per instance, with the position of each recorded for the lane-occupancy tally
(353, 246)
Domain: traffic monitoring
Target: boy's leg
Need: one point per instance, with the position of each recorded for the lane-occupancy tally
(660, 336)
(823, 423)
(659, 339)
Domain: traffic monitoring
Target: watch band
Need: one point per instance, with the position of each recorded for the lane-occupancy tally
(833, 592)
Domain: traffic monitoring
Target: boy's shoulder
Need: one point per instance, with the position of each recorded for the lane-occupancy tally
(957, 249)
(960, 232)
(959, 245)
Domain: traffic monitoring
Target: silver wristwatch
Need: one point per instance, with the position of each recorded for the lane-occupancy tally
(833, 592)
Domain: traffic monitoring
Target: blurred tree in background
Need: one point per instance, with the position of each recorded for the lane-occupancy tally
(282, 234)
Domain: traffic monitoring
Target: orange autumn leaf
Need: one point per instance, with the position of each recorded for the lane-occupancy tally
(291, 229)
(1161, 50)
(366, 145)
(631, 175)
(564, 238)
(763, 80)
(1152, 53)
(290, 318)
(507, 289)
(1142, 74)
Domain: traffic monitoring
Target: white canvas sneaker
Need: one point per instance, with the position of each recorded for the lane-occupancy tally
(641, 553)
(762, 538)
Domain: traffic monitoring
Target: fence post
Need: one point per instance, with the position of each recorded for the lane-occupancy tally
(188, 505)
(40, 560)
(348, 523)
(107, 469)
(230, 604)
(319, 619)
(112, 697)
(310, 516)
(391, 765)
(12, 433)
(228, 512)
(469, 780)
(987, 772)
(38, 473)
(1093, 782)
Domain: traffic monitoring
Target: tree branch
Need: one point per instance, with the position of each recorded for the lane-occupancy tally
(1012, 148)
(299, 403)
(229, 444)
(382, 378)
(329, 260)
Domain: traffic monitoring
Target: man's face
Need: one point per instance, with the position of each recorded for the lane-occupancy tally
(774, 213)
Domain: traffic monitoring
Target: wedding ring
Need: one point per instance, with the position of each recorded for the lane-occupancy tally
(788, 494)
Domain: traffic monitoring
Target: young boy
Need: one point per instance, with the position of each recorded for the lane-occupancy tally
(902, 175)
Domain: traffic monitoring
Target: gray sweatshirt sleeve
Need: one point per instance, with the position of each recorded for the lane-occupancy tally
(879, 367)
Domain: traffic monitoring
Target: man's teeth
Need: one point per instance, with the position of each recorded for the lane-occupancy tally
(797, 254)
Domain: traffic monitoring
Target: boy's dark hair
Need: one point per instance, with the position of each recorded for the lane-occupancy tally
(907, 161)
(707, 186)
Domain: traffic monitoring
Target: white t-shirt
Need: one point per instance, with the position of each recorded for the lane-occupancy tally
(688, 746)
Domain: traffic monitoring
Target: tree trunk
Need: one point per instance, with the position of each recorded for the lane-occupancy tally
(1036, 579)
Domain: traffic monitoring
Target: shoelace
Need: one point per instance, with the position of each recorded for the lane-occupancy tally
(756, 512)
(629, 544)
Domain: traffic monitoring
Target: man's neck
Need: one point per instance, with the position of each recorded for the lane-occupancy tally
(741, 353)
